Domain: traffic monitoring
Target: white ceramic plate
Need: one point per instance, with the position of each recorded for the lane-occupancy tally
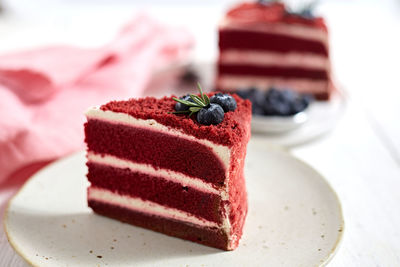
(294, 219)
(322, 116)
(278, 124)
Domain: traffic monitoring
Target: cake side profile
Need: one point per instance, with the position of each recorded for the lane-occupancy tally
(264, 45)
(167, 172)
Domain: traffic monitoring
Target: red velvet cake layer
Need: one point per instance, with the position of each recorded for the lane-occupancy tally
(272, 71)
(161, 150)
(251, 40)
(206, 236)
(229, 132)
(156, 189)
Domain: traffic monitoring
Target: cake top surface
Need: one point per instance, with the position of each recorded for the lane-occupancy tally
(274, 12)
(232, 130)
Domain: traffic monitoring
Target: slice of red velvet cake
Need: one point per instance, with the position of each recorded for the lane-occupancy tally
(167, 172)
(262, 45)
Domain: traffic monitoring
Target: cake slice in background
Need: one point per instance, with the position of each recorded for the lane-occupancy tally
(167, 172)
(262, 45)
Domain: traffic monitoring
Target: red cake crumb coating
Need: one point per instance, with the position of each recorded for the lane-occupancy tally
(229, 132)
(156, 189)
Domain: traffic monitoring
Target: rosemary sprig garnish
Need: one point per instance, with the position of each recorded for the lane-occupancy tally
(198, 103)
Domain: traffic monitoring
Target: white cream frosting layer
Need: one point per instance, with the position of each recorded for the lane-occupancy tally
(269, 58)
(223, 152)
(234, 82)
(169, 175)
(291, 30)
(145, 206)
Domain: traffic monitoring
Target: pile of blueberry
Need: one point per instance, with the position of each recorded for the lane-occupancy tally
(211, 111)
(276, 102)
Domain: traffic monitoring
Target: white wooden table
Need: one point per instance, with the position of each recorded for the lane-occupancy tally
(360, 158)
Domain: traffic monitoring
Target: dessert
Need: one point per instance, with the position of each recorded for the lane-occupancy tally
(153, 167)
(264, 45)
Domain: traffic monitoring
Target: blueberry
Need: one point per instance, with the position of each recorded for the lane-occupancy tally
(279, 102)
(269, 109)
(298, 106)
(213, 114)
(257, 110)
(227, 102)
(183, 107)
(301, 103)
(288, 95)
(246, 93)
(307, 13)
(273, 95)
(283, 109)
(277, 108)
(307, 99)
(243, 94)
(257, 97)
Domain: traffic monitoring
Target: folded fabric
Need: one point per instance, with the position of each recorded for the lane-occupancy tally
(45, 92)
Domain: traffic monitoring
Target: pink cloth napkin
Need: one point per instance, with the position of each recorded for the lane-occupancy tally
(45, 92)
